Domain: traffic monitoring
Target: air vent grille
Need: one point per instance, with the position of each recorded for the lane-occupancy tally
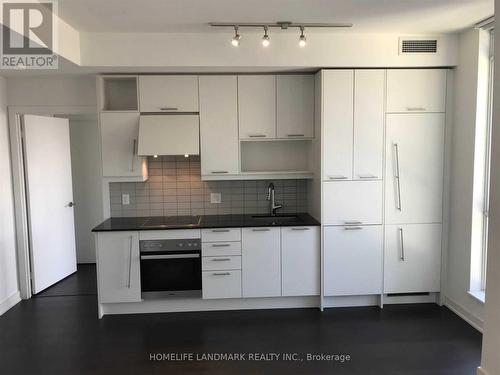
(418, 46)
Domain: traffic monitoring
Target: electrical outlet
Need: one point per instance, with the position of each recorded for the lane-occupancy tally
(125, 199)
(215, 197)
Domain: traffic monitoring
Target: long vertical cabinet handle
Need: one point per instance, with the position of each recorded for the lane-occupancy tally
(402, 240)
(130, 261)
(134, 148)
(396, 152)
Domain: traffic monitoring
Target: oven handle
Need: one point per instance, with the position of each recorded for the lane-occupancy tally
(171, 256)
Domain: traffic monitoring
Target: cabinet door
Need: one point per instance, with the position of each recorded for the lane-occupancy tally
(414, 168)
(118, 267)
(219, 125)
(221, 284)
(295, 106)
(353, 260)
(261, 262)
(368, 124)
(416, 90)
(352, 202)
(119, 136)
(257, 106)
(338, 124)
(300, 261)
(412, 258)
(168, 93)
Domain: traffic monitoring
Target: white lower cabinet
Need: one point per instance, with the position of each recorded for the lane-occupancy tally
(261, 262)
(118, 267)
(221, 284)
(300, 261)
(353, 260)
(412, 258)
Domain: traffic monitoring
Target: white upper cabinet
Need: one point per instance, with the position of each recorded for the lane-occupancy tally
(416, 90)
(353, 260)
(300, 261)
(168, 93)
(368, 123)
(219, 125)
(260, 262)
(257, 106)
(337, 104)
(412, 258)
(295, 106)
(414, 168)
(119, 137)
(118, 273)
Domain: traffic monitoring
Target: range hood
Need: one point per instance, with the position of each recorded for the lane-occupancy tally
(169, 134)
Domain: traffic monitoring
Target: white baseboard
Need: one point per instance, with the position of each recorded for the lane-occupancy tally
(462, 312)
(10, 301)
(481, 371)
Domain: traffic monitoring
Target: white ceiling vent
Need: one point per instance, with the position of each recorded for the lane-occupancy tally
(417, 46)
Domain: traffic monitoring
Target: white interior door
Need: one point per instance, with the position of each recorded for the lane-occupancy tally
(47, 161)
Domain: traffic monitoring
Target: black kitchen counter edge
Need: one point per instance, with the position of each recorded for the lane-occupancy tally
(116, 224)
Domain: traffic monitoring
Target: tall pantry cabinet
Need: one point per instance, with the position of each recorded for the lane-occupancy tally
(382, 180)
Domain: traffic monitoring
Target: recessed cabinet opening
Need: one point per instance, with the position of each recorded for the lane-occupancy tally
(119, 94)
(275, 156)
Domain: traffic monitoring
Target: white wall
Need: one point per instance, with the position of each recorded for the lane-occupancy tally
(461, 186)
(9, 290)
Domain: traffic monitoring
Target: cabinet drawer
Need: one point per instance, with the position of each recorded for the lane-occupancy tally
(352, 202)
(221, 234)
(209, 249)
(221, 263)
(225, 284)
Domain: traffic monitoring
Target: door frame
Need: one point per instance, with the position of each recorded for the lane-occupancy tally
(18, 181)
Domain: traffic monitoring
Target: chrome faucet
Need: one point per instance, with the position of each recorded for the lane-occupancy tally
(273, 206)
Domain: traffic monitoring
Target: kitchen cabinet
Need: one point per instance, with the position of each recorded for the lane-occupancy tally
(118, 267)
(337, 122)
(119, 137)
(221, 284)
(368, 124)
(295, 106)
(219, 125)
(257, 106)
(412, 258)
(168, 93)
(414, 168)
(261, 262)
(416, 90)
(352, 202)
(353, 260)
(300, 261)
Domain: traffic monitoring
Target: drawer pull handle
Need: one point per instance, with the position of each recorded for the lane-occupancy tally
(220, 230)
(367, 176)
(261, 230)
(221, 274)
(353, 228)
(295, 135)
(415, 108)
(337, 177)
(219, 172)
(257, 135)
(169, 108)
(221, 245)
(221, 259)
(353, 222)
(301, 228)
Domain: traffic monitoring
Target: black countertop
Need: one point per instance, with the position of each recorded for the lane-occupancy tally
(204, 221)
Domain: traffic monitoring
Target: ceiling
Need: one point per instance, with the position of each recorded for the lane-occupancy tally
(373, 16)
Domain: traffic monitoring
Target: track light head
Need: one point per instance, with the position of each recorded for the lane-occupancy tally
(302, 37)
(236, 38)
(265, 39)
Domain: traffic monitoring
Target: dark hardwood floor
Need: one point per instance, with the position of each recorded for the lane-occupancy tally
(62, 335)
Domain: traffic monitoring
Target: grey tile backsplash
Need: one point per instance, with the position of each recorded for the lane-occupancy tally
(175, 188)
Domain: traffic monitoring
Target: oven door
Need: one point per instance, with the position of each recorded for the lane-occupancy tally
(171, 271)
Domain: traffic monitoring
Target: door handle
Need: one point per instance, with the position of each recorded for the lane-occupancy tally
(70, 204)
(401, 239)
(337, 177)
(134, 148)
(261, 230)
(396, 176)
(130, 262)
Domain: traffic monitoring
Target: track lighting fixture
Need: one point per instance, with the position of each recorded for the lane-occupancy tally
(265, 38)
(236, 39)
(302, 37)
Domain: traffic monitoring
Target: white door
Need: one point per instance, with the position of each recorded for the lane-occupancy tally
(295, 106)
(414, 168)
(368, 123)
(300, 261)
(219, 125)
(257, 106)
(353, 260)
(338, 103)
(412, 258)
(49, 190)
(260, 262)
